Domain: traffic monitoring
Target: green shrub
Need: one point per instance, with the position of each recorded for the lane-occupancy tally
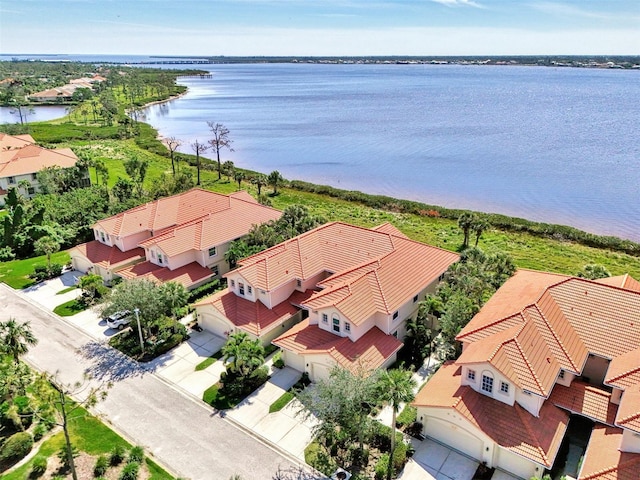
(136, 454)
(399, 456)
(130, 471)
(42, 272)
(407, 416)
(38, 466)
(174, 340)
(16, 447)
(204, 290)
(382, 466)
(40, 430)
(101, 466)
(117, 455)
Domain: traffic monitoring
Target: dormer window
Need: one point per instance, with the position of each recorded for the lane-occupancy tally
(347, 327)
(325, 318)
(336, 324)
(471, 375)
(561, 375)
(395, 315)
(233, 283)
(504, 387)
(241, 288)
(299, 283)
(212, 252)
(487, 384)
(415, 299)
(102, 236)
(249, 289)
(12, 180)
(160, 258)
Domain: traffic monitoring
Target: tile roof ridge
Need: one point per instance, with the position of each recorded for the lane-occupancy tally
(359, 266)
(379, 283)
(623, 374)
(555, 335)
(495, 322)
(633, 416)
(599, 473)
(522, 414)
(596, 284)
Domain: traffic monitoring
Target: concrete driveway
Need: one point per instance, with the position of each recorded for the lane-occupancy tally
(434, 461)
(284, 428)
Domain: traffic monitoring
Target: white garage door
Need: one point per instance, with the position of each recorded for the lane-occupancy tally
(294, 361)
(213, 324)
(454, 436)
(81, 264)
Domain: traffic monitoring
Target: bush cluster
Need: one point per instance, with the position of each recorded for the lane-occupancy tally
(42, 272)
(16, 447)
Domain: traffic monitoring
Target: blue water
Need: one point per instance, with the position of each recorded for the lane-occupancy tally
(35, 114)
(548, 144)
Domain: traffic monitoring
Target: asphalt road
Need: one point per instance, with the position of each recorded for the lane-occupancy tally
(181, 432)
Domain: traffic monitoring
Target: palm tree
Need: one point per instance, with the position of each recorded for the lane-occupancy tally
(174, 295)
(246, 355)
(259, 180)
(239, 176)
(478, 227)
(275, 179)
(47, 245)
(395, 387)
(465, 222)
(16, 338)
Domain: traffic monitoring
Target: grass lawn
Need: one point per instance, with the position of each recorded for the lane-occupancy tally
(207, 362)
(68, 289)
(90, 435)
(281, 402)
(15, 273)
(218, 400)
(70, 308)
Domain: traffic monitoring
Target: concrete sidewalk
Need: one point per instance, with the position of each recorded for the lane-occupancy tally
(433, 461)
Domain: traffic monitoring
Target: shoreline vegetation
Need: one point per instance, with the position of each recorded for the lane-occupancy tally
(558, 248)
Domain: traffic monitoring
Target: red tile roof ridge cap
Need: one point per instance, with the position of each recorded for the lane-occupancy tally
(211, 299)
(553, 332)
(599, 473)
(342, 273)
(595, 284)
(522, 414)
(633, 416)
(384, 299)
(623, 374)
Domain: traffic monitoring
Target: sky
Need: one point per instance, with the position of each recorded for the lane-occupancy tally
(320, 27)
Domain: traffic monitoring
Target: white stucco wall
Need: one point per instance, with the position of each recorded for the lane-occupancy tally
(530, 402)
(566, 381)
(180, 260)
(630, 442)
(481, 369)
(132, 241)
(516, 465)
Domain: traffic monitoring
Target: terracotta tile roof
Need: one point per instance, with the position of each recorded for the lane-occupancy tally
(629, 410)
(14, 141)
(215, 228)
(604, 461)
(390, 229)
(369, 352)
(586, 400)
(369, 271)
(624, 370)
(254, 317)
(108, 257)
(164, 215)
(519, 355)
(32, 158)
(625, 281)
(511, 427)
(520, 291)
(188, 275)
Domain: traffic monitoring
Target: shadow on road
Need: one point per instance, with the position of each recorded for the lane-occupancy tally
(111, 365)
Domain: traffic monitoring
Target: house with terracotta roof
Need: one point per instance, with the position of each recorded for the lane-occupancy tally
(21, 159)
(544, 351)
(182, 238)
(336, 295)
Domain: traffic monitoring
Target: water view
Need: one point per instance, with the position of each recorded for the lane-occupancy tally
(548, 144)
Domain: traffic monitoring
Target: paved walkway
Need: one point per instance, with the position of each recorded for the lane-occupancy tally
(433, 461)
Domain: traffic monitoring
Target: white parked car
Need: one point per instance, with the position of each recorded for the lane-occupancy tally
(119, 320)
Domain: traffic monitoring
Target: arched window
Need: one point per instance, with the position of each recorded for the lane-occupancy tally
(336, 322)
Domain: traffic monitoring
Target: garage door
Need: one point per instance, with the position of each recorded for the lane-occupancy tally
(294, 361)
(213, 324)
(81, 264)
(320, 372)
(454, 436)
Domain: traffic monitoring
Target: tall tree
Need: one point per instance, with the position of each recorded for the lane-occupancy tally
(478, 228)
(229, 169)
(259, 180)
(466, 222)
(395, 387)
(243, 354)
(219, 142)
(47, 245)
(239, 177)
(198, 148)
(16, 338)
(172, 144)
(136, 168)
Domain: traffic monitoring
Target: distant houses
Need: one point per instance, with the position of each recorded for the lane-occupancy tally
(65, 92)
(21, 160)
(182, 238)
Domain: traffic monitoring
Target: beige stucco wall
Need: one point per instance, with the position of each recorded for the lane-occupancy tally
(481, 369)
(516, 465)
(595, 369)
(616, 396)
(132, 241)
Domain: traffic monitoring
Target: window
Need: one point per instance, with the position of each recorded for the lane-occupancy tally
(336, 324)
(504, 387)
(561, 374)
(471, 375)
(160, 258)
(299, 283)
(241, 288)
(34, 176)
(395, 315)
(347, 327)
(249, 289)
(415, 299)
(395, 334)
(487, 384)
(215, 270)
(102, 236)
(212, 252)
(325, 318)
(31, 190)
(233, 283)
(12, 179)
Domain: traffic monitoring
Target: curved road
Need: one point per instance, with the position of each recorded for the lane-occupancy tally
(181, 432)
